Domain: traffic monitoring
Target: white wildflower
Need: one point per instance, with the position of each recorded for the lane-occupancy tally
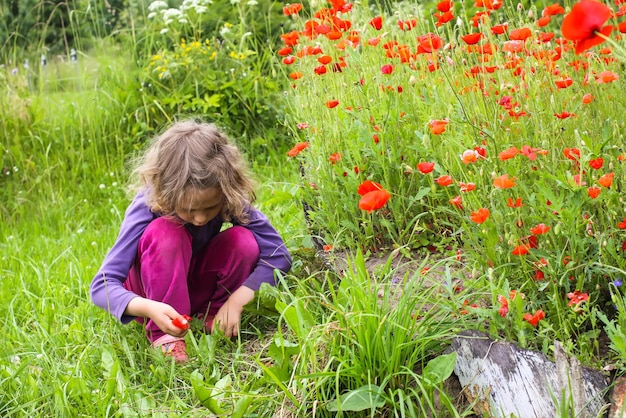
(157, 5)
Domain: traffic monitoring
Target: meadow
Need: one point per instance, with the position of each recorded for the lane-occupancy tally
(472, 153)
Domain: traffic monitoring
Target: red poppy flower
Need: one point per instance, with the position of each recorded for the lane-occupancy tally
(425, 167)
(564, 82)
(520, 250)
(292, 9)
(291, 38)
(596, 163)
(504, 306)
(513, 46)
(444, 5)
(539, 229)
(368, 186)
(438, 126)
(295, 75)
(552, 10)
(593, 192)
(480, 216)
(469, 156)
(508, 153)
(444, 180)
(284, 51)
(377, 22)
(332, 103)
(588, 98)
(606, 180)
(531, 153)
(564, 115)
(622, 225)
(457, 202)
(499, 29)
(577, 297)
(182, 321)
(467, 187)
(530, 241)
(320, 70)
(289, 59)
(374, 200)
(517, 204)
(583, 24)
(572, 154)
(297, 149)
(407, 24)
(544, 21)
(606, 77)
(386, 69)
(534, 318)
(334, 158)
(324, 59)
(472, 38)
(520, 34)
(443, 18)
(503, 182)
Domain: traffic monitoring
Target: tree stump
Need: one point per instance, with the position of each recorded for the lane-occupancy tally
(504, 380)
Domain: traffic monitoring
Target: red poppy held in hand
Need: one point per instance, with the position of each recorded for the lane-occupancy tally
(182, 321)
(584, 24)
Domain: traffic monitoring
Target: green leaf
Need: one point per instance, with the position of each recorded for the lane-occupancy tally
(440, 368)
(365, 397)
(205, 393)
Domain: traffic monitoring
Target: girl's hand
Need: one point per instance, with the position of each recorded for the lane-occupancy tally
(160, 313)
(229, 315)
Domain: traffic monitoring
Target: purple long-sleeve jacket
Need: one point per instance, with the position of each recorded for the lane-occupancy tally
(107, 289)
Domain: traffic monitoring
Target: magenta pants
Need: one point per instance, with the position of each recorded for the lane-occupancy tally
(165, 269)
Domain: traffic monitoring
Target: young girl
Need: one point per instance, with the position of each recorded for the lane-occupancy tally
(172, 257)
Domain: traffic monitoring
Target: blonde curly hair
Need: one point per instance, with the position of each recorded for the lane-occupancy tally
(191, 156)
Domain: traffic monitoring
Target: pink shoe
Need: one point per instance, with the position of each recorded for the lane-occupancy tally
(177, 350)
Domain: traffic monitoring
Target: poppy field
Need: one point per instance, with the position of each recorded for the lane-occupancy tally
(488, 134)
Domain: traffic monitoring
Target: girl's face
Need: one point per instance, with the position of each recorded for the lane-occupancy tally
(200, 205)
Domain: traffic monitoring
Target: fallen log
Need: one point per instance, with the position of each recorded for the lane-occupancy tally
(504, 380)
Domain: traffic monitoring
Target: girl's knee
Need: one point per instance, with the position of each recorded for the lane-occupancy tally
(166, 233)
(243, 241)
